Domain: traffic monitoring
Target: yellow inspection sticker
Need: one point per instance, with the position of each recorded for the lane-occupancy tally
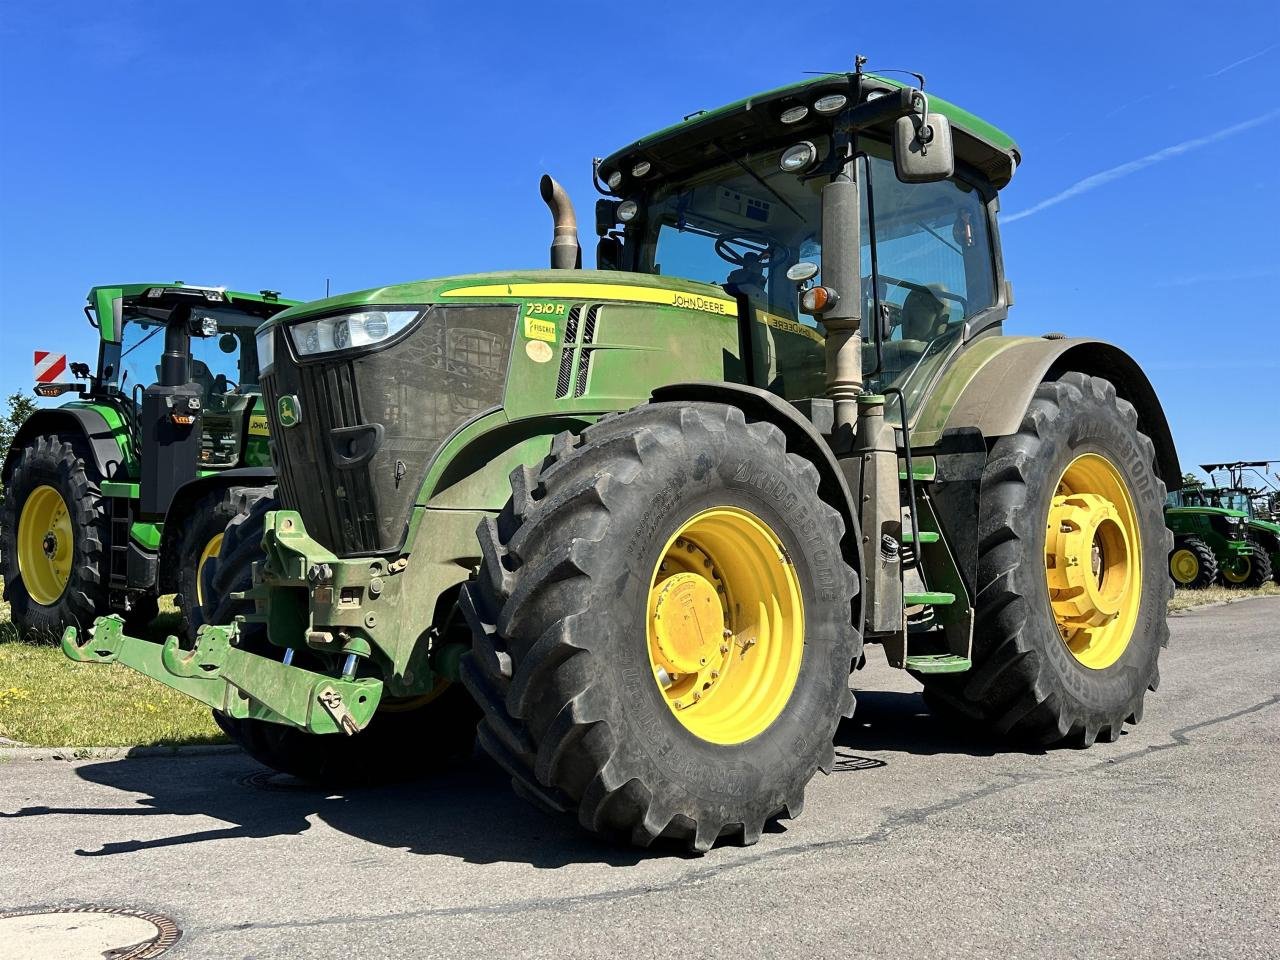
(537, 328)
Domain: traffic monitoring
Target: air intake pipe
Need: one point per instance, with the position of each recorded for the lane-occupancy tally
(566, 252)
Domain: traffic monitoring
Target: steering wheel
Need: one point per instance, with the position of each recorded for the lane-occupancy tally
(734, 250)
(228, 385)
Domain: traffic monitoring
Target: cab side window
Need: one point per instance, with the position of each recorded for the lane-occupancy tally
(933, 269)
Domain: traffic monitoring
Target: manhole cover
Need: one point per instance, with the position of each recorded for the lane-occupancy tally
(70, 933)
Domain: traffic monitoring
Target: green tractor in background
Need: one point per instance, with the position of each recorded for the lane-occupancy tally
(1211, 541)
(644, 519)
(121, 494)
(1261, 503)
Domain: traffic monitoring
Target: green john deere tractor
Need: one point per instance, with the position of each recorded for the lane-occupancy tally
(650, 514)
(1226, 533)
(1218, 534)
(119, 495)
(1261, 503)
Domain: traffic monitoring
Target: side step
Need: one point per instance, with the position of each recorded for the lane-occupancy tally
(926, 536)
(938, 663)
(929, 597)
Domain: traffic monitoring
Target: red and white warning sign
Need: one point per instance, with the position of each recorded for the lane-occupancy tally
(49, 366)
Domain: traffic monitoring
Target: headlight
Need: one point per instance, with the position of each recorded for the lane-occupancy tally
(348, 330)
(266, 338)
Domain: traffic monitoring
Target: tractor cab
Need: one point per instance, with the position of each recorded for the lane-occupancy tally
(733, 198)
(192, 350)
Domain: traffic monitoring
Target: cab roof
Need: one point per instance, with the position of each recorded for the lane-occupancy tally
(108, 300)
(978, 143)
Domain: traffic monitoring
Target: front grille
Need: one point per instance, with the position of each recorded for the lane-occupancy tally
(450, 367)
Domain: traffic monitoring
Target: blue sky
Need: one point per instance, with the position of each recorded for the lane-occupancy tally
(277, 144)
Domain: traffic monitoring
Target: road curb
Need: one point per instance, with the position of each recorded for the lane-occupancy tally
(11, 753)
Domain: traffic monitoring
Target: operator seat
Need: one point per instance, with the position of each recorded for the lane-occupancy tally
(748, 279)
(923, 319)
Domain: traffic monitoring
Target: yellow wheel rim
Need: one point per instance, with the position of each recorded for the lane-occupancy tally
(1237, 570)
(1093, 561)
(1184, 565)
(46, 545)
(725, 625)
(210, 550)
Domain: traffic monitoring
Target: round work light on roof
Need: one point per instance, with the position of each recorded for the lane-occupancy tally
(641, 168)
(794, 114)
(798, 157)
(627, 210)
(831, 103)
(614, 180)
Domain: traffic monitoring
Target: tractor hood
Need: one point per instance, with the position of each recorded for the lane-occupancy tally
(368, 387)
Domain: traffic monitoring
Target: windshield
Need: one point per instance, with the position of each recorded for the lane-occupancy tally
(1223, 499)
(743, 222)
(223, 365)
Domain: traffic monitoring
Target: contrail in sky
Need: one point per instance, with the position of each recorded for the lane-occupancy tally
(1233, 65)
(1133, 166)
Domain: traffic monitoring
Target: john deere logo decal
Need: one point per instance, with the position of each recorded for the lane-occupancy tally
(290, 411)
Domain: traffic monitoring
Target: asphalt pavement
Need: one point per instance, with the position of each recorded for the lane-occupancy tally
(924, 843)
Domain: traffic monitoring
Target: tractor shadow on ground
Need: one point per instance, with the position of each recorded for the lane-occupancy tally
(894, 722)
(469, 812)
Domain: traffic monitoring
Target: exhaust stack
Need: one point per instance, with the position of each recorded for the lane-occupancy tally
(566, 252)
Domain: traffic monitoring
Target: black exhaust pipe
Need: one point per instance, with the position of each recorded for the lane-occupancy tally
(566, 252)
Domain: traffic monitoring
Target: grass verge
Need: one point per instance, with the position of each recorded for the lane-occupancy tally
(1186, 599)
(48, 701)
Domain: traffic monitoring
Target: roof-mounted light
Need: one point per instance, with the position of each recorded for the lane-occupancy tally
(627, 210)
(794, 114)
(798, 157)
(641, 169)
(614, 180)
(831, 103)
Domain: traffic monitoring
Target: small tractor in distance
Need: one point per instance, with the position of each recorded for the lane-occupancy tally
(1224, 532)
(650, 515)
(118, 496)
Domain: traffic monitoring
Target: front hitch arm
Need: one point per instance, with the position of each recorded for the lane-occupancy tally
(234, 681)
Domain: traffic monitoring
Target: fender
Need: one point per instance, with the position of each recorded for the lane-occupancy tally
(189, 493)
(992, 381)
(103, 444)
(803, 438)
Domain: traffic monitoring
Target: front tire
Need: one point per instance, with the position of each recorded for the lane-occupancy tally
(1192, 564)
(52, 540)
(1067, 652)
(1247, 572)
(199, 540)
(708, 724)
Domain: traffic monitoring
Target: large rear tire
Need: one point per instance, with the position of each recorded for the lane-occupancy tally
(52, 539)
(406, 738)
(1192, 564)
(1066, 648)
(708, 723)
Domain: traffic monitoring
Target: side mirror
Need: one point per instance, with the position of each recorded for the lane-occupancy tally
(922, 147)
